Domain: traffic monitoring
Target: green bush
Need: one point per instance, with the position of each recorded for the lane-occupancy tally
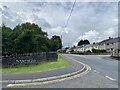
(98, 50)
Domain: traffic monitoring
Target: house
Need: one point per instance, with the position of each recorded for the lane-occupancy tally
(79, 49)
(68, 50)
(111, 45)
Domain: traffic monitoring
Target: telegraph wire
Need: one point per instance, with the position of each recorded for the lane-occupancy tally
(68, 19)
(70, 13)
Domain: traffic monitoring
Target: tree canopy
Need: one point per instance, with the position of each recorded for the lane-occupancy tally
(56, 43)
(83, 42)
(28, 38)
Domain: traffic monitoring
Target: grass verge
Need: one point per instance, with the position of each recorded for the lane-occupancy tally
(61, 63)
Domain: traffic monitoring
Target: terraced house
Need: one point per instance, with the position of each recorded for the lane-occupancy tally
(111, 45)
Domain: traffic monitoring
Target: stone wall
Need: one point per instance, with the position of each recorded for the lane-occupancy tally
(27, 59)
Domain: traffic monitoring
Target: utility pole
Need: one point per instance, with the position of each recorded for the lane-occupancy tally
(61, 41)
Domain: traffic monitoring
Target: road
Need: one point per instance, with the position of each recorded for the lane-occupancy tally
(101, 64)
(103, 74)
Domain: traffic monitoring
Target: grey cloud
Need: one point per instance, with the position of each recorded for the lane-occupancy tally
(40, 21)
(5, 7)
(52, 17)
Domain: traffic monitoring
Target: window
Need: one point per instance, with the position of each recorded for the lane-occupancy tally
(111, 49)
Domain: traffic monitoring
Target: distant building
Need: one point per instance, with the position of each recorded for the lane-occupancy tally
(68, 50)
(111, 45)
(79, 49)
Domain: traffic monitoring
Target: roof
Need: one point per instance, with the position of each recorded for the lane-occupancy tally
(110, 40)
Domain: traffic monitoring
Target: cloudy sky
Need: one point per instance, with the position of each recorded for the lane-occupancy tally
(94, 21)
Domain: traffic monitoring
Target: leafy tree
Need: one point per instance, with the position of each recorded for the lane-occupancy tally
(28, 38)
(6, 40)
(86, 41)
(83, 42)
(56, 43)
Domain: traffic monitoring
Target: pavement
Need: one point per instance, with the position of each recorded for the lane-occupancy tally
(104, 73)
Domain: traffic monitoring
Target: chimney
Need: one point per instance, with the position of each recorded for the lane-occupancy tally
(109, 37)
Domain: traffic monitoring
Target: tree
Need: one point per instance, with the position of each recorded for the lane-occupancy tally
(6, 40)
(56, 43)
(28, 38)
(86, 41)
(83, 42)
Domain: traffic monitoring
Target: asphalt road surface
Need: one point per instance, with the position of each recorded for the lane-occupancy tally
(103, 74)
(101, 64)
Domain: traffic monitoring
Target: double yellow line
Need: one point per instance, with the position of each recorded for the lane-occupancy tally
(84, 71)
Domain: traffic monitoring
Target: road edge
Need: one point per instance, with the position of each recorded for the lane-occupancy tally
(75, 74)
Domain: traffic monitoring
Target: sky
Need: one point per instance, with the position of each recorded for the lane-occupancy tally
(94, 21)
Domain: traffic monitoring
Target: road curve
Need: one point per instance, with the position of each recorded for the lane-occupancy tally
(73, 68)
(102, 64)
(104, 73)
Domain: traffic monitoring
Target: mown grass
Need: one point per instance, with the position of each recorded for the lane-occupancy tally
(46, 66)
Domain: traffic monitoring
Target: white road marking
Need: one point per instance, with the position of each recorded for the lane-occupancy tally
(96, 71)
(110, 78)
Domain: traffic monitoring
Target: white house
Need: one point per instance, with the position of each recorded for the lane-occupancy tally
(110, 45)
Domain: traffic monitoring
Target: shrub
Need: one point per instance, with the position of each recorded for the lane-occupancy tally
(98, 50)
